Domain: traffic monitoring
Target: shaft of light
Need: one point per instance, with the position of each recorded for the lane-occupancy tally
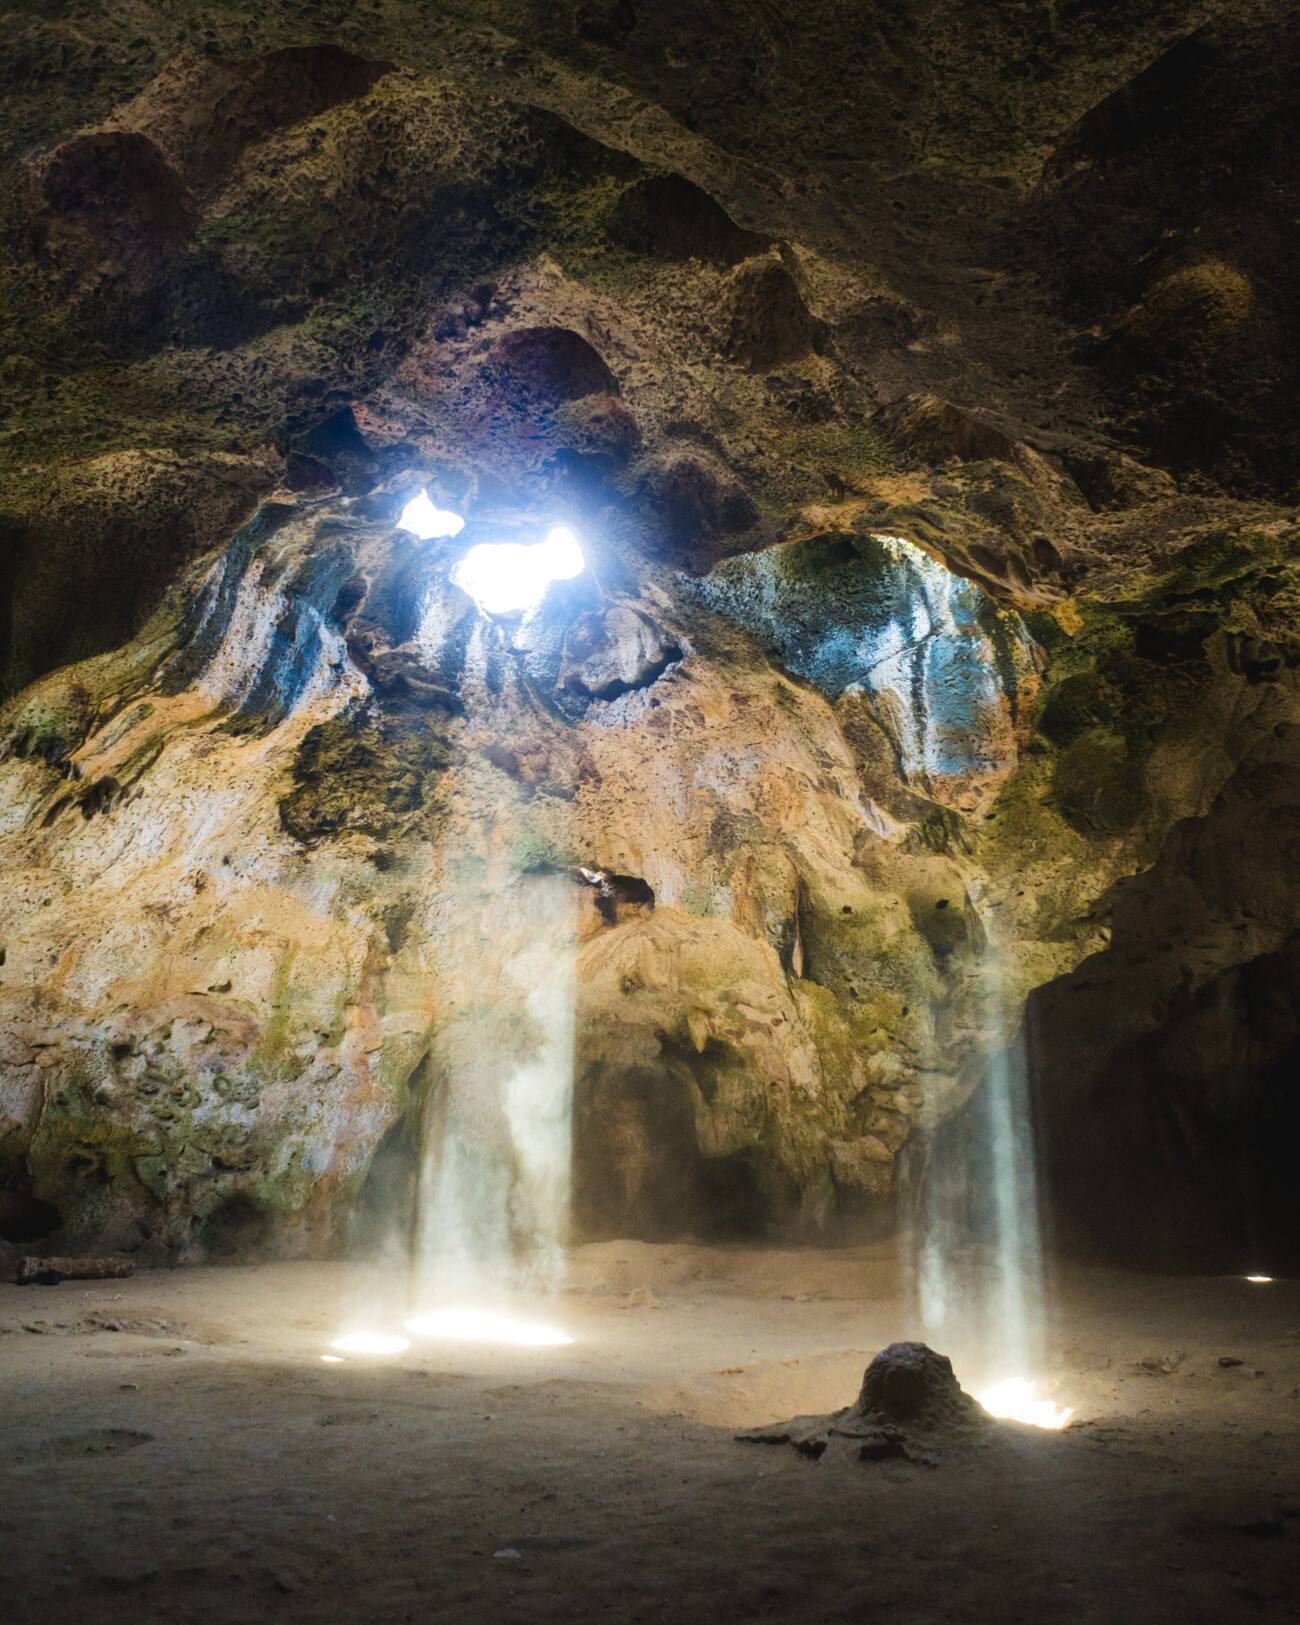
(1016, 1400)
(480, 1326)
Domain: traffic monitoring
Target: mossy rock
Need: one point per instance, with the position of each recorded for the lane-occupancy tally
(533, 852)
(1072, 706)
(941, 919)
(1195, 306)
(363, 775)
(1097, 784)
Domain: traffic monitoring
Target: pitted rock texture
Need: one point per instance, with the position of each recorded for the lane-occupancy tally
(909, 1382)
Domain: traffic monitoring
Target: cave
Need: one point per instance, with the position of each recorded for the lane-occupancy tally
(649, 811)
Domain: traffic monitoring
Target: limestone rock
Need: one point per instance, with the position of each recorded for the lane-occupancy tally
(910, 1383)
(670, 217)
(939, 431)
(864, 1166)
(611, 652)
(696, 504)
(768, 323)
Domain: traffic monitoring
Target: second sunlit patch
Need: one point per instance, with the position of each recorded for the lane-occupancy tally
(481, 1326)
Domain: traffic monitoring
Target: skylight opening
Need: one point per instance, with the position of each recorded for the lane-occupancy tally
(505, 577)
(423, 519)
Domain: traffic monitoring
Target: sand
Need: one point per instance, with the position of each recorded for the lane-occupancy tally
(174, 1448)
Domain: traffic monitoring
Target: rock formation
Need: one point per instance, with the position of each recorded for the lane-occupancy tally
(930, 450)
(910, 1405)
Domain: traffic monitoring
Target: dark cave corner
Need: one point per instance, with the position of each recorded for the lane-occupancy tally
(639, 1172)
(238, 1231)
(23, 1216)
(1171, 1149)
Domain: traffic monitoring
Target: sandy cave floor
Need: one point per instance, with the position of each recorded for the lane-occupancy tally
(174, 1448)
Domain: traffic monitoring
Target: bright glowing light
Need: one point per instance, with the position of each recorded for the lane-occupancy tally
(422, 519)
(331, 1359)
(1260, 1280)
(1016, 1400)
(478, 1326)
(505, 576)
(563, 553)
(370, 1343)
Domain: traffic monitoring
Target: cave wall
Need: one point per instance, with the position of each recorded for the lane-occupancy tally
(272, 882)
(1179, 1038)
(933, 468)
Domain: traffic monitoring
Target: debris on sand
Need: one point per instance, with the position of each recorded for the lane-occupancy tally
(50, 1271)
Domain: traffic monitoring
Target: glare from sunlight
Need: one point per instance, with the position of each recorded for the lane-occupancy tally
(1017, 1400)
(504, 577)
(424, 520)
(370, 1343)
(480, 1326)
(1260, 1280)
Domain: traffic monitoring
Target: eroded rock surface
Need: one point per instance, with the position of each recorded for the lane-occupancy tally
(932, 469)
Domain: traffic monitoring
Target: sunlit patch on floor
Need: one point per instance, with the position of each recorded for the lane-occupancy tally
(480, 1326)
(370, 1343)
(1017, 1400)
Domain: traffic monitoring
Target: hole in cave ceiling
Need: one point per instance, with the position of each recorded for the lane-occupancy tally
(506, 577)
(423, 519)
